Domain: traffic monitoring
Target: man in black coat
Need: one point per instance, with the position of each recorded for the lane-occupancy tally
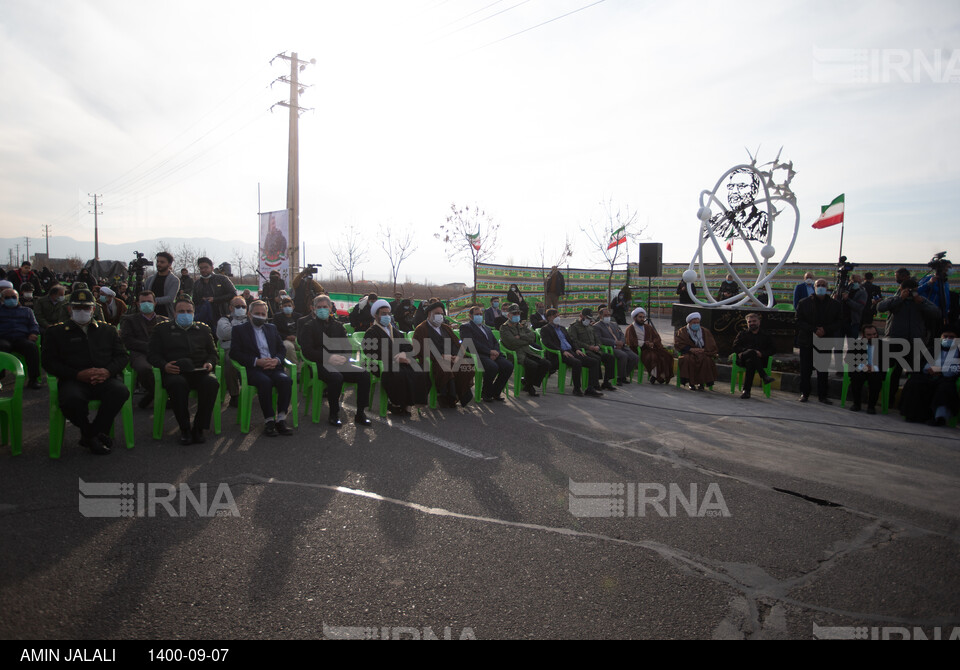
(497, 369)
(87, 357)
(212, 294)
(135, 331)
(554, 336)
(324, 341)
(753, 349)
(818, 317)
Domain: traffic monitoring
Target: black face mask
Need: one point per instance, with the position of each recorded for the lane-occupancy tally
(258, 320)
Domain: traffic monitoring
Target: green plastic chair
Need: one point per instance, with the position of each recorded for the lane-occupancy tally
(884, 389)
(737, 373)
(58, 420)
(317, 386)
(245, 413)
(783, 307)
(160, 402)
(11, 409)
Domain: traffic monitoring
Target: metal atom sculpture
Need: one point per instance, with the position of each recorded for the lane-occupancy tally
(749, 215)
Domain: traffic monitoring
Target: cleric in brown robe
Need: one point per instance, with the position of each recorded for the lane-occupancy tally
(452, 375)
(698, 350)
(644, 339)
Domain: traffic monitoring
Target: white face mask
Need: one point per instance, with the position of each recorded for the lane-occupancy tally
(80, 317)
(27, 296)
(437, 319)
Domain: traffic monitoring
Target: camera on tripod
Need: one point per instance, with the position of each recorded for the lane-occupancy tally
(138, 264)
(313, 268)
(939, 264)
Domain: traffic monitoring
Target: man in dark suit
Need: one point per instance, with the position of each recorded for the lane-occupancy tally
(257, 346)
(866, 367)
(324, 341)
(496, 368)
(753, 349)
(492, 317)
(554, 336)
(818, 316)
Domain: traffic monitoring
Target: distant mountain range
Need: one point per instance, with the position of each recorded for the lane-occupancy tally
(66, 247)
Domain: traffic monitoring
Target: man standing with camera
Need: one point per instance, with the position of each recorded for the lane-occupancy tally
(909, 320)
(212, 294)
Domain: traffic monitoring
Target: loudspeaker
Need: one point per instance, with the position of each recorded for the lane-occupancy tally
(651, 259)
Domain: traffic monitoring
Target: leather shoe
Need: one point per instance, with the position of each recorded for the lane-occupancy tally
(198, 436)
(607, 386)
(767, 379)
(804, 398)
(745, 395)
(270, 429)
(105, 440)
(335, 421)
(95, 445)
(466, 398)
(593, 393)
(826, 401)
(532, 391)
(185, 437)
(283, 428)
(361, 418)
(578, 393)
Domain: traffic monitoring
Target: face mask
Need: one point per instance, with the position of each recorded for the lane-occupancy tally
(323, 313)
(239, 312)
(184, 320)
(146, 308)
(946, 344)
(808, 282)
(515, 318)
(11, 302)
(437, 319)
(61, 298)
(103, 299)
(495, 305)
(821, 290)
(478, 319)
(205, 275)
(695, 327)
(385, 320)
(82, 318)
(288, 310)
(27, 296)
(606, 319)
(585, 322)
(258, 320)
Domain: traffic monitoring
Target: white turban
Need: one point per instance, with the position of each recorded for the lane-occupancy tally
(692, 315)
(638, 310)
(377, 306)
(5, 284)
(106, 290)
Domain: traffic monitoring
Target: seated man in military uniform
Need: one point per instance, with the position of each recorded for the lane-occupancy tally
(87, 357)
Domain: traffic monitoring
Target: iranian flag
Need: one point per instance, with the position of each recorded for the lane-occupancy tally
(832, 214)
(618, 237)
(474, 239)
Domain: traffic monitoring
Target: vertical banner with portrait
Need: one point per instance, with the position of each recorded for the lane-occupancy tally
(274, 245)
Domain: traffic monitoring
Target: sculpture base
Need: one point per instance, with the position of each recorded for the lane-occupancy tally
(725, 322)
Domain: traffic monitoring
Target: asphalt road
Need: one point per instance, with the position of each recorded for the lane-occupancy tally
(468, 523)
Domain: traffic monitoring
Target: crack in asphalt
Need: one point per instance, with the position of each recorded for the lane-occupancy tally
(757, 587)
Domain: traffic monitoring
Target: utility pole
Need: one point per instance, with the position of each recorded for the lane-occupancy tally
(96, 230)
(46, 233)
(293, 154)
(27, 240)
(18, 255)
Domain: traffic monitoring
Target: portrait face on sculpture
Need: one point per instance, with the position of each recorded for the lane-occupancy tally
(742, 189)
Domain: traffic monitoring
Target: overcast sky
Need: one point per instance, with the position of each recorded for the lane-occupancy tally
(163, 108)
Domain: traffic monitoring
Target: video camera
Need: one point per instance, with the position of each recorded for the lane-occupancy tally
(313, 268)
(939, 264)
(843, 271)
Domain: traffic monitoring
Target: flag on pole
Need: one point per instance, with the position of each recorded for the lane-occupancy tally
(832, 214)
(618, 237)
(474, 239)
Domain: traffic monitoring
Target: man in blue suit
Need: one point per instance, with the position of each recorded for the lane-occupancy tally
(804, 289)
(257, 346)
(496, 368)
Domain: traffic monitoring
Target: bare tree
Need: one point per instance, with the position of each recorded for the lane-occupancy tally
(552, 257)
(399, 246)
(471, 235)
(351, 251)
(185, 256)
(609, 233)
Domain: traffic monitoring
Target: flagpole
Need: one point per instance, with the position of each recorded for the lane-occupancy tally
(841, 238)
